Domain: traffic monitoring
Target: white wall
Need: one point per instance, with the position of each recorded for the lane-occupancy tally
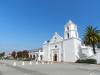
(68, 51)
(45, 50)
(59, 49)
(71, 49)
(97, 56)
(87, 50)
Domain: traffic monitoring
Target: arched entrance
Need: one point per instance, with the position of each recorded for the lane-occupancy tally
(55, 57)
(34, 57)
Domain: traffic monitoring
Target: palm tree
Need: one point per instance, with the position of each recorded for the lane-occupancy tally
(92, 37)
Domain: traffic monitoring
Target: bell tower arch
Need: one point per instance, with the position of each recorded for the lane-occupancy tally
(70, 30)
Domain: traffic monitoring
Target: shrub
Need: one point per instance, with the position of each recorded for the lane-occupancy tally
(27, 59)
(88, 61)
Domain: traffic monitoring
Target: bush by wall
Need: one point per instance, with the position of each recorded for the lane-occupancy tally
(88, 61)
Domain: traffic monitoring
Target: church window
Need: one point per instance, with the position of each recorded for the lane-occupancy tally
(67, 28)
(68, 35)
(34, 57)
(55, 38)
(48, 41)
(55, 46)
(41, 57)
(76, 34)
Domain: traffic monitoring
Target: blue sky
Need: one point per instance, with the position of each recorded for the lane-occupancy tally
(26, 24)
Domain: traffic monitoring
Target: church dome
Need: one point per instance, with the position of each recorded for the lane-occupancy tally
(71, 25)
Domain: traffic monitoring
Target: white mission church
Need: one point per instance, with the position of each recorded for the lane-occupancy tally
(65, 49)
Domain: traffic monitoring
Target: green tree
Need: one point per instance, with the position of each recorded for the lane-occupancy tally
(13, 54)
(25, 54)
(19, 54)
(92, 37)
(2, 55)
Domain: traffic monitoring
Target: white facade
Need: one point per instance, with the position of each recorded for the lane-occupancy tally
(67, 49)
(36, 54)
(53, 48)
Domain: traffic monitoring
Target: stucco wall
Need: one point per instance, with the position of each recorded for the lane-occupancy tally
(45, 50)
(58, 50)
(70, 50)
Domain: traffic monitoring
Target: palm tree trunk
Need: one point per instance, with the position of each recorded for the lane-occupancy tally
(93, 45)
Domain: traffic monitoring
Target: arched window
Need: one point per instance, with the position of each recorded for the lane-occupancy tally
(55, 37)
(41, 57)
(55, 46)
(67, 28)
(68, 35)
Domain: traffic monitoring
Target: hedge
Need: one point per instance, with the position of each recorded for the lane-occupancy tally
(88, 61)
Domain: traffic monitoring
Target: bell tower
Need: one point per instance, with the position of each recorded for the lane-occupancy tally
(72, 42)
(70, 30)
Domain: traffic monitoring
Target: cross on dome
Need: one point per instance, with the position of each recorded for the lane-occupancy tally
(56, 33)
(70, 22)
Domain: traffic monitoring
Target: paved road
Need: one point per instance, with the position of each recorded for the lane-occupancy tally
(7, 68)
